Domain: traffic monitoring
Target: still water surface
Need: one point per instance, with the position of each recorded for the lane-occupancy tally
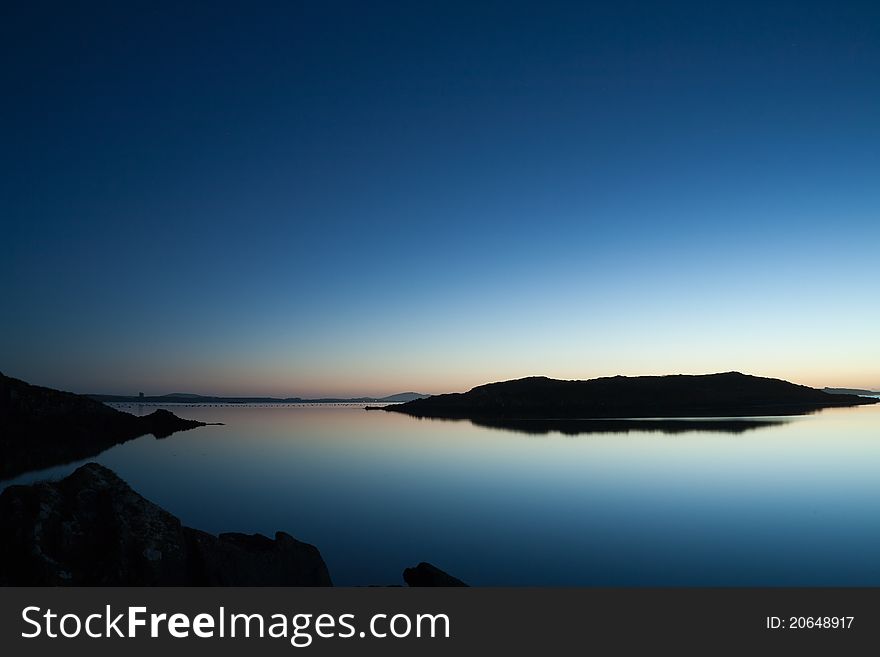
(793, 503)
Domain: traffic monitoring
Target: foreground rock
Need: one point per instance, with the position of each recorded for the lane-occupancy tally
(426, 574)
(41, 427)
(256, 560)
(711, 395)
(92, 529)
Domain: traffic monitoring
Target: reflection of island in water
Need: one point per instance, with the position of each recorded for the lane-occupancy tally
(667, 426)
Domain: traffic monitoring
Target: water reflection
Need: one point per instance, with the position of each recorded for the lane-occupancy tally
(623, 426)
(788, 502)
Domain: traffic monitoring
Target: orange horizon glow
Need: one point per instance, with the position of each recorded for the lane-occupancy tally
(362, 385)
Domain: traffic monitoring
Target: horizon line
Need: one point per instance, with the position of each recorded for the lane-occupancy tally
(412, 391)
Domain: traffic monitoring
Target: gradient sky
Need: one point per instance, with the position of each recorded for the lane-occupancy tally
(334, 198)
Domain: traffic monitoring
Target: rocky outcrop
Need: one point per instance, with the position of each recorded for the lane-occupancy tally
(162, 423)
(41, 427)
(92, 529)
(426, 574)
(256, 560)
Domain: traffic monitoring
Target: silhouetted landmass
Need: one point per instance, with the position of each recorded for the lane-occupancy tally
(676, 396)
(92, 529)
(404, 397)
(188, 398)
(41, 427)
(426, 574)
(850, 391)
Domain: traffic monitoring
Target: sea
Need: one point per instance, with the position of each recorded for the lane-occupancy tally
(784, 501)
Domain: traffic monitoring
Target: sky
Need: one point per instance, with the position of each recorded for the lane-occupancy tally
(350, 198)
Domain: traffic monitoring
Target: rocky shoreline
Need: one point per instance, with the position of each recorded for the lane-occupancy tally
(41, 427)
(93, 529)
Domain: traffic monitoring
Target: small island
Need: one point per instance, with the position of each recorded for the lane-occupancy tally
(729, 394)
(53, 530)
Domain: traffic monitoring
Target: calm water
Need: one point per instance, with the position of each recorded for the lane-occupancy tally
(795, 503)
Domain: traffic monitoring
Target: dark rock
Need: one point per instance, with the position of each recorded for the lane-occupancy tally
(427, 575)
(256, 560)
(162, 423)
(41, 427)
(92, 529)
(850, 391)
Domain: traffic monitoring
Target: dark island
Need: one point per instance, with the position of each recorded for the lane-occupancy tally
(41, 427)
(676, 396)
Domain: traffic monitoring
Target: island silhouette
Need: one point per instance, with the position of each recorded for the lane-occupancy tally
(729, 394)
(53, 530)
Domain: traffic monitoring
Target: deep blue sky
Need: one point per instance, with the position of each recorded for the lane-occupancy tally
(350, 198)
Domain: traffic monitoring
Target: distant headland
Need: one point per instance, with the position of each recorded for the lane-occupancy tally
(92, 529)
(41, 427)
(730, 394)
(850, 391)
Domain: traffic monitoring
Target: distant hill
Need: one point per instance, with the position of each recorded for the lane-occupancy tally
(184, 398)
(731, 394)
(850, 391)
